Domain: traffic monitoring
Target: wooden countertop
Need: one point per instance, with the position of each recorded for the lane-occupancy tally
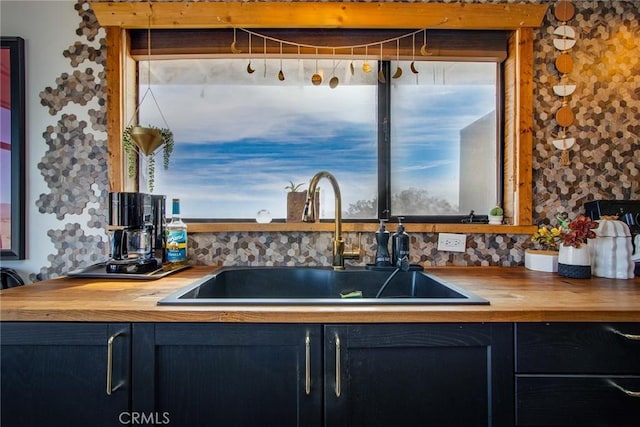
(515, 294)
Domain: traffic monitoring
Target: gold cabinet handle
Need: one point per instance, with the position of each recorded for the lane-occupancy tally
(337, 388)
(111, 389)
(624, 390)
(627, 336)
(307, 365)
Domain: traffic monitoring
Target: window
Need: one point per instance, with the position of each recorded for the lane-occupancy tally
(246, 135)
(124, 22)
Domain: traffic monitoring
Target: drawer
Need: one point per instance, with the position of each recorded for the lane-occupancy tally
(577, 401)
(578, 348)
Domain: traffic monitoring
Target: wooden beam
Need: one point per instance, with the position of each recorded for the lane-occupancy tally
(399, 15)
(518, 174)
(113, 71)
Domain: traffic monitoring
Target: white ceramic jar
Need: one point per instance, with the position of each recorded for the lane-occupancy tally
(611, 250)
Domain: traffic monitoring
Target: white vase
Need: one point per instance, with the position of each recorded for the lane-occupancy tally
(539, 260)
(495, 219)
(611, 252)
(574, 262)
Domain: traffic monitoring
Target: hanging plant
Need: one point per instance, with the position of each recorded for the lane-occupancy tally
(152, 137)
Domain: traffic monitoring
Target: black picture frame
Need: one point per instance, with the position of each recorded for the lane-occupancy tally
(12, 213)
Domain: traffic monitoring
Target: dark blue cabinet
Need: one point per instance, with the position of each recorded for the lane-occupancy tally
(64, 374)
(239, 374)
(417, 375)
(312, 375)
(229, 375)
(585, 374)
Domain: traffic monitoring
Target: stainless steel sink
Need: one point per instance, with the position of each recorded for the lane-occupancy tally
(318, 286)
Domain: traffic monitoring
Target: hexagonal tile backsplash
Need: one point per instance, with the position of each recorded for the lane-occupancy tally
(604, 162)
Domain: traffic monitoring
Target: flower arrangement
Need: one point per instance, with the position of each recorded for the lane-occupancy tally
(570, 233)
(548, 237)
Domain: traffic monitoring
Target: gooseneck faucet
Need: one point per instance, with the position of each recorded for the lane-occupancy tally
(339, 254)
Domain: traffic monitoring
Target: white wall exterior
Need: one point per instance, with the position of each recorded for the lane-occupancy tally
(48, 28)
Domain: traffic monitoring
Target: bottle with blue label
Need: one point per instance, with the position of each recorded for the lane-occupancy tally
(176, 246)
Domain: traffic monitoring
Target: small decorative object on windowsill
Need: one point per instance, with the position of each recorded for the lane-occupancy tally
(496, 215)
(574, 259)
(611, 251)
(295, 202)
(545, 259)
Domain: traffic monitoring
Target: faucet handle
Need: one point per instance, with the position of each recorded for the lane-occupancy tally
(354, 253)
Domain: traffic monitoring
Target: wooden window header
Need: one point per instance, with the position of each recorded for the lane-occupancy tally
(474, 45)
(398, 15)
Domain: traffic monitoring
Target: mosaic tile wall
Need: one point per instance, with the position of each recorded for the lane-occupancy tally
(604, 163)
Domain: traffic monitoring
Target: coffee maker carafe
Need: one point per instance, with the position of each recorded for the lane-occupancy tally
(136, 223)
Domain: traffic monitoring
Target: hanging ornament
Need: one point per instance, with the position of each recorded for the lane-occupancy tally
(281, 73)
(365, 65)
(564, 11)
(565, 117)
(333, 82)
(264, 53)
(234, 49)
(250, 70)
(316, 79)
(381, 78)
(351, 67)
(398, 72)
(414, 70)
(563, 143)
(423, 48)
(567, 38)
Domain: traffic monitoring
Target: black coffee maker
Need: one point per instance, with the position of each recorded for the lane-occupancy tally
(136, 222)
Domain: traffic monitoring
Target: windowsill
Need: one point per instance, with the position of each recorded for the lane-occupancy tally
(207, 227)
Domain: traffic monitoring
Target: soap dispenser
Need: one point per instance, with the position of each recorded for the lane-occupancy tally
(383, 259)
(399, 244)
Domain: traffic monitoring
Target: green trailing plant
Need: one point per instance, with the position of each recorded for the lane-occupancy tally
(131, 151)
(496, 211)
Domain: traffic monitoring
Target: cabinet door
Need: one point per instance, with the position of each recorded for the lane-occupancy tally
(585, 374)
(578, 348)
(575, 400)
(419, 375)
(228, 374)
(64, 374)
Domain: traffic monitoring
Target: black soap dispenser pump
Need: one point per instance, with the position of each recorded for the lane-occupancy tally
(399, 245)
(383, 259)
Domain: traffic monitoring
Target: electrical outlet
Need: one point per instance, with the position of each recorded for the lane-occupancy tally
(452, 242)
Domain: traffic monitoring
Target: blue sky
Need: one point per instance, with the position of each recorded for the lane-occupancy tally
(239, 144)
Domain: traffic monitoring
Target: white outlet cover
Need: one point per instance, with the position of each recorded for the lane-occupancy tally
(452, 242)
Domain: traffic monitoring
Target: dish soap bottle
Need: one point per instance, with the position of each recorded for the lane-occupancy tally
(383, 259)
(176, 249)
(399, 245)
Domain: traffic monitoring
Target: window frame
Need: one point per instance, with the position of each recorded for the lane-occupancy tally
(518, 93)
(384, 155)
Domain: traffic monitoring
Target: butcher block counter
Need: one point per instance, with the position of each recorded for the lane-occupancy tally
(515, 294)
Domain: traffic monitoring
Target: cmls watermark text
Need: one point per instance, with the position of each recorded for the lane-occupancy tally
(142, 418)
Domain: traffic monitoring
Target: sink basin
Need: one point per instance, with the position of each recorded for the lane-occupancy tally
(318, 286)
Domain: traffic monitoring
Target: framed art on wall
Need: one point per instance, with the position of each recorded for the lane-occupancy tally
(12, 148)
